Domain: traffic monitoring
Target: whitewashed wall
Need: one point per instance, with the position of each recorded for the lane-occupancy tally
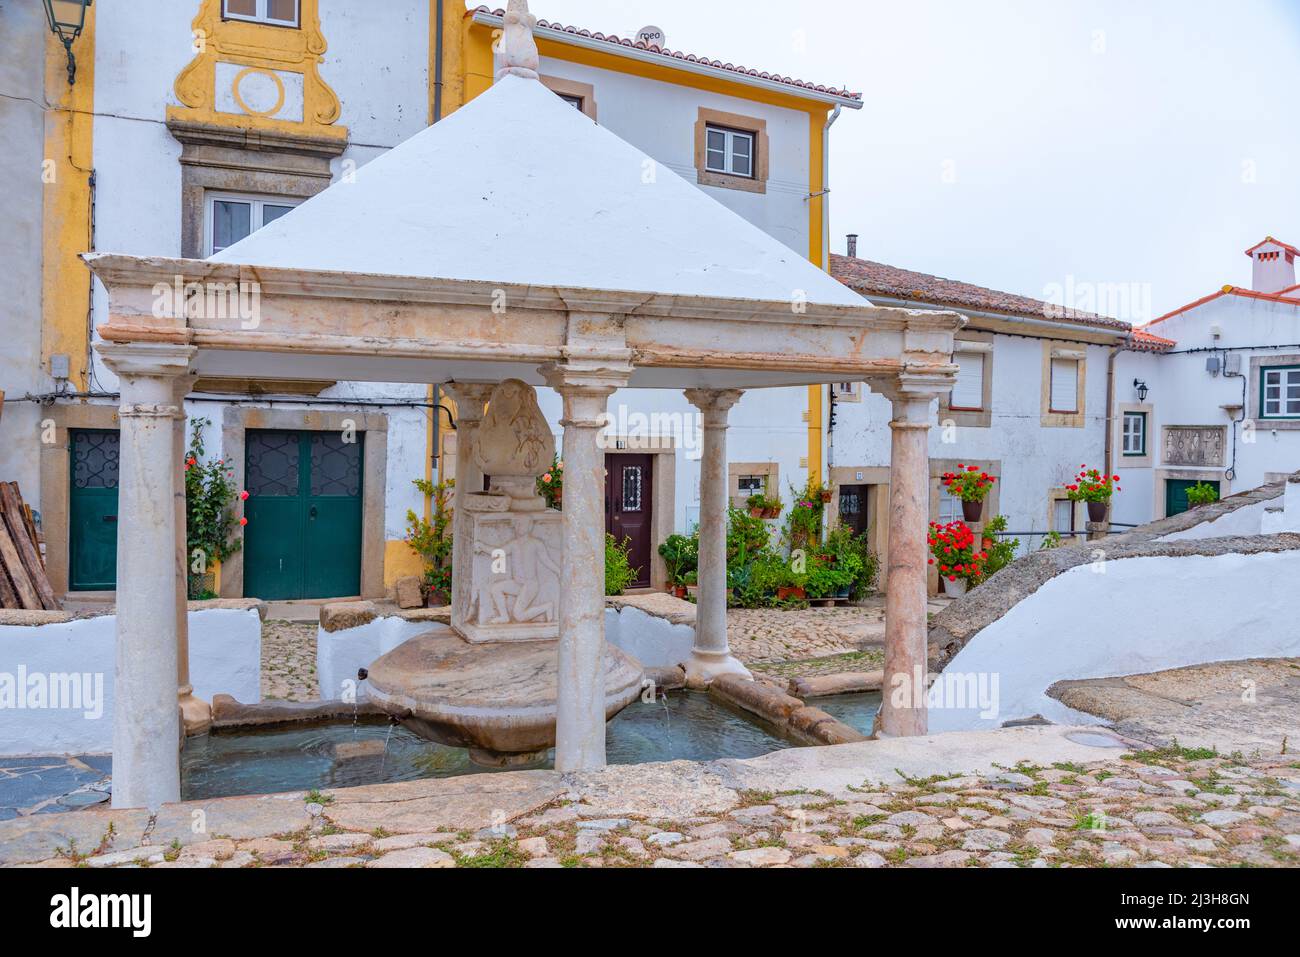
(377, 62)
(1034, 459)
(225, 658)
(22, 128)
(1183, 393)
(1081, 624)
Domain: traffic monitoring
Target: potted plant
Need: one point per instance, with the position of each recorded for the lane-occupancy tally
(828, 578)
(619, 573)
(972, 486)
(550, 485)
(691, 581)
(954, 552)
(1094, 488)
(681, 554)
(1202, 493)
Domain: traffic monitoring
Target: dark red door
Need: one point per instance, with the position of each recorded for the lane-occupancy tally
(853, 508)
(628, 494)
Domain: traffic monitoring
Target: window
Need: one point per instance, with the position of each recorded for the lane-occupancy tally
(1135, 433)
(1063, 515)
(968, 392)
(1065, 386)
(748, 485)
(949, 508)
(232, 217)
(847, 391)
(280, 13)
(729, 151)
(1281, 392)
(573, 101)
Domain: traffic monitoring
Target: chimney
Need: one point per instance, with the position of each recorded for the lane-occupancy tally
(853, 245)
(1273, 266)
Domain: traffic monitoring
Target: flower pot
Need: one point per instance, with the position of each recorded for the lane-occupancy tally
(1097, 511)
(955, 589)
(437, 599)
(972, 511)
(826, 497)
(772, 513)
(758, 513)
(678, 591)
(786, 594)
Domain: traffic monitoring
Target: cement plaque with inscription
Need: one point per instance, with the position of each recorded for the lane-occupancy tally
(1200, 445)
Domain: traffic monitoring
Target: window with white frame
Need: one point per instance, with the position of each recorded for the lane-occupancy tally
(968, 391)
(1280, 387)
(1135, 433)
(1064, 395)
(1062, 515)
(729, 151)
(280, 13)
(950, 509)
(230, 217)
(847, 391)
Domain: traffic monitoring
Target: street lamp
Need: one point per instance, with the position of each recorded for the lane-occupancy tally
(67, 18)
(1142, 389)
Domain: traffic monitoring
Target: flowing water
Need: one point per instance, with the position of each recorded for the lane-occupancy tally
(348, 754)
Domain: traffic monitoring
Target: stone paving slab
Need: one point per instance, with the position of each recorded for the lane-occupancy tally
(1231, 706)
(1167, 808)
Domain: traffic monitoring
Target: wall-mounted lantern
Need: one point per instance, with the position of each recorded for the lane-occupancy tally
(67, 19)
(1142, 389)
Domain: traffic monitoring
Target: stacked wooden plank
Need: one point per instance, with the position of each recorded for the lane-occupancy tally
(23, 582)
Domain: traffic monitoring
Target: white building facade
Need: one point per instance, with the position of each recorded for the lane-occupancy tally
(193, 123)
(1211, 393)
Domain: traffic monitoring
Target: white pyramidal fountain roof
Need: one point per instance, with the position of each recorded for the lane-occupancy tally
(519, 187)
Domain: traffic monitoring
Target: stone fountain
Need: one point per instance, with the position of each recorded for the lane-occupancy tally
(489, 681)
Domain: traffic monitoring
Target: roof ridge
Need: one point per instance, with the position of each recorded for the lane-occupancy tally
(959, 293)
(615, 40)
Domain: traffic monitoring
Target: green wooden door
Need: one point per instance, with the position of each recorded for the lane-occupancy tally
(1176, 495)
(303, 538)
(92, 510)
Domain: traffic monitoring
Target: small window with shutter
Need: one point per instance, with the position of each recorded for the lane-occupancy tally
(968, 392)
(1065, 385)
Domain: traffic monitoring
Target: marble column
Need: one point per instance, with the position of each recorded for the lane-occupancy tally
(711, 656)
(146, 716)
(196, 714)
(580, 693)
(903, 710)
(471, 400)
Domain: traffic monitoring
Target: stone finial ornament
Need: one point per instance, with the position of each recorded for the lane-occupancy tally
(514, 444)
(519, 55)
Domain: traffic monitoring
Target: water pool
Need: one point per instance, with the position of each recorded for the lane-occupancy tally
(342, 753)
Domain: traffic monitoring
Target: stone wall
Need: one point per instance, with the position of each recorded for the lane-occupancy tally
(954, 627)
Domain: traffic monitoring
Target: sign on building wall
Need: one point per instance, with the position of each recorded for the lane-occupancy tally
(1200, 445)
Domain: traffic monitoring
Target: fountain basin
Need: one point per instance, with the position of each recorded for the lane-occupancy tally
(346, 753)
(494, 698)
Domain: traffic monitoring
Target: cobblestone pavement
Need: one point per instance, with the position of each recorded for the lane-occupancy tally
(873, 659)
(289, 661)
(1169, 808)
(762, 635)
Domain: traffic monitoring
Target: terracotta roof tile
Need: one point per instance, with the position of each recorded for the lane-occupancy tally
(871, 278)
(1147, 342)
(678, 55)
(1269, 239)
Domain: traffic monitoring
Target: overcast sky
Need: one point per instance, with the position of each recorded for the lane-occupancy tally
(1019, 143)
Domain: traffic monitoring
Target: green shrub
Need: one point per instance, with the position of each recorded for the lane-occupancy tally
(1202, 493)
(681, 554)
(1001, 552)
(619, 572)
(852, 549)
(210, 526)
